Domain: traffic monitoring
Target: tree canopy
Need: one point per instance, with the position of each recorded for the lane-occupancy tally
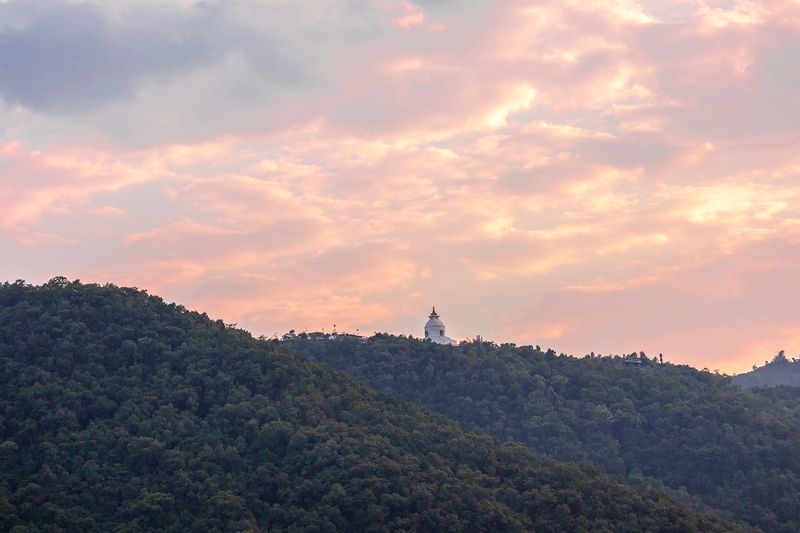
(123, 413)
(694, 433)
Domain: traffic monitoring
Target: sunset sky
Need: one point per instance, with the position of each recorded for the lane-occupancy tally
(607, 176)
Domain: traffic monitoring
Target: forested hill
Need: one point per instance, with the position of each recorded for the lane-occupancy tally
(779, 371)
(122, 413)
(695, 432)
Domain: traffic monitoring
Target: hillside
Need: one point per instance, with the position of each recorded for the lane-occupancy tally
(779, 371)
(122, 413)
(655, 424)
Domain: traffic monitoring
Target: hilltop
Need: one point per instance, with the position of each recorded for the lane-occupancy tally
(697, 434)
(779, 371)
(123, 413)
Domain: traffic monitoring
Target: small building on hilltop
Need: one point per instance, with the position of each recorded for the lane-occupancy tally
(434, 330)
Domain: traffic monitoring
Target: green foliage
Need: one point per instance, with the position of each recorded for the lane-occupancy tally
(122, 413)
(697, 434)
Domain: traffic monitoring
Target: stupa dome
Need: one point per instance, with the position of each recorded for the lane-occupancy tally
(435, 330)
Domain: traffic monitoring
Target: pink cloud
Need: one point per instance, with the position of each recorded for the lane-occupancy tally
(410, 15)
(61, 178)
(596, 176)
(688, 315)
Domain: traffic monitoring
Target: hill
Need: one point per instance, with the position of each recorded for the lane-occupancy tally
(693, 432)
(123, 413)
(779, 371)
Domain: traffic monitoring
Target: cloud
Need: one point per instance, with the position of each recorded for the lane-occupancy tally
(36, 183)
(67, 57)
(705, 312)
(122, 70)
(603, 176)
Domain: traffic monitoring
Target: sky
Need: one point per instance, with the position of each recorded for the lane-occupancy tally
(592, 176)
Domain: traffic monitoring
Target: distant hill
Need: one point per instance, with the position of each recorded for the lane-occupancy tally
(122, 413)
(694, 432)
(779, 371)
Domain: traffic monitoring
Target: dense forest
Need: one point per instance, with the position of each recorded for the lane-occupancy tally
(123, 413)
(695, 433)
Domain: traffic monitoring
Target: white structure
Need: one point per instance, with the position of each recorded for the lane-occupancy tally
(434, 330)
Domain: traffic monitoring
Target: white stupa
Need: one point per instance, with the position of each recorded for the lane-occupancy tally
(434, 330)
